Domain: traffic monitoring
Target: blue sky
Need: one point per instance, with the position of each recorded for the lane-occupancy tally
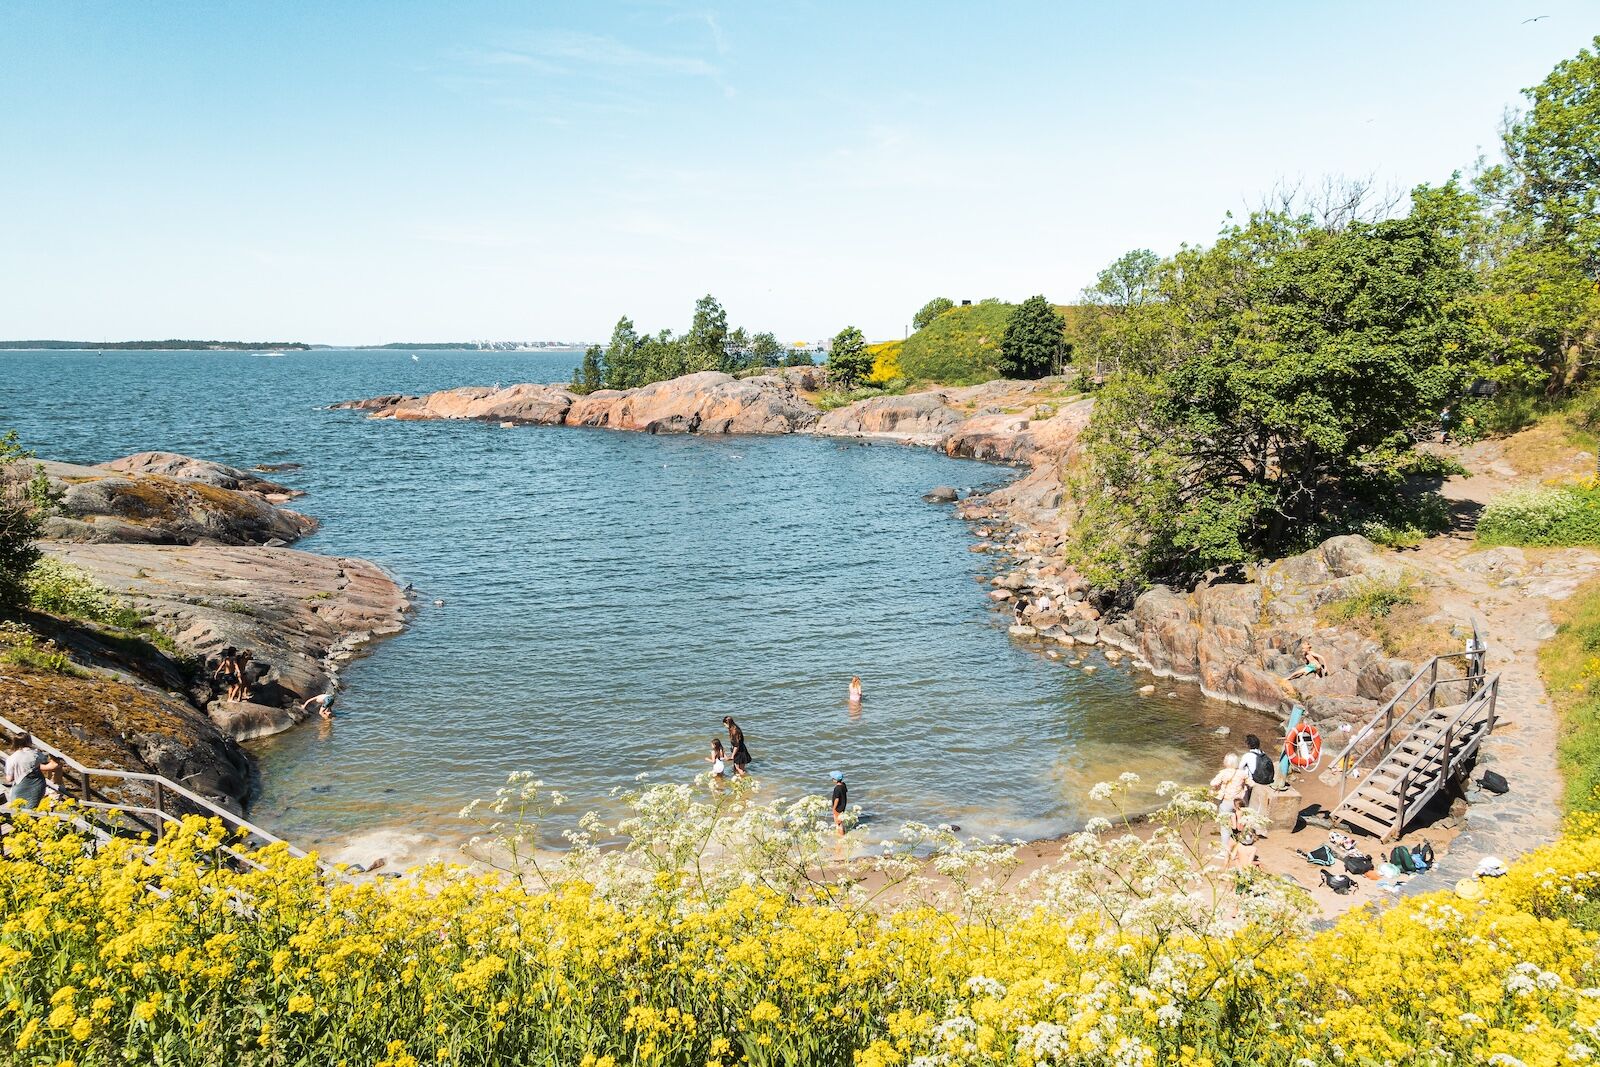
(366, 172)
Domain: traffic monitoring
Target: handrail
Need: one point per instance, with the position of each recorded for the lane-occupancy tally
(1381, 744)
(162, 787)
(1489, 694)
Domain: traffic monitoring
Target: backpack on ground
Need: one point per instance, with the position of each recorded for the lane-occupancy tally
(1358, 863)
(1339, 883)
(1401, 857)
(1264, 772)
(1494, 783)
(1322, 856)
(1423, 854)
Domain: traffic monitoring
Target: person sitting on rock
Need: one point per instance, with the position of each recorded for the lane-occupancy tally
(1314, 663)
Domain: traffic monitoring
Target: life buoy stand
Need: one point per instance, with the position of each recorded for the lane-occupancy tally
(1303, 746)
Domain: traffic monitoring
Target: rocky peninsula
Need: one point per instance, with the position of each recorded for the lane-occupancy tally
(200, 550)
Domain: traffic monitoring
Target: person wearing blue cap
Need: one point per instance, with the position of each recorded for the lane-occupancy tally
(841, 796)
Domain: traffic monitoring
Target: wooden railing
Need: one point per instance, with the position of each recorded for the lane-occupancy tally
(1476, 716)
(135, 801)
(1414, 702)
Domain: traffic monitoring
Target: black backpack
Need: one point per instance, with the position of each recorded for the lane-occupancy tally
(1339, 883)
(1358, 863)
(1265, 773)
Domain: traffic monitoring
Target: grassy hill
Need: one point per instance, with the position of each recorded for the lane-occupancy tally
(959, 347)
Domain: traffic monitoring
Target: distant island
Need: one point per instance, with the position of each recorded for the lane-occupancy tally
(283, 346)
(151, 346)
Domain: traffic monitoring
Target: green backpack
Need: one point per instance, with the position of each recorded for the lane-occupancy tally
(1407, 861)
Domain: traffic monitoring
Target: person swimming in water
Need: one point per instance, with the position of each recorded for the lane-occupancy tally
(855, 690)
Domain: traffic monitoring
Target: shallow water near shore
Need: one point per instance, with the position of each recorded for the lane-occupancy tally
(608, 597)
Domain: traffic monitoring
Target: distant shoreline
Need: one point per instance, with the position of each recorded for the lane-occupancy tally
(288, 346)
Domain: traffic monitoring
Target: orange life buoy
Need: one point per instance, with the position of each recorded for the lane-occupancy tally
(1303, 746)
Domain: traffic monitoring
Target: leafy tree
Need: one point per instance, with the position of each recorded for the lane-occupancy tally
(736, 350)
(1553, 151)
(765, 351)
(589, 375)
(1033, 339)
(848, 358)
(25, 497)
(621, 365)
(705, 346)
(1123, 322)
(799, 358)
(930, 311)
(1300, 360)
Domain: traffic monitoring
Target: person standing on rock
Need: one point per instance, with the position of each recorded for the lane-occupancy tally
(739, 754)
(25, 771)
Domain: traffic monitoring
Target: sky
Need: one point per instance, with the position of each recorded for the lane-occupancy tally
(352, 173)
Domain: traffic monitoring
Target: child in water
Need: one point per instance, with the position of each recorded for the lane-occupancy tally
(855, 690)
(716, 759)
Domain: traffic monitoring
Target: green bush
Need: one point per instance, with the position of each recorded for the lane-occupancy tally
(62, 589)
(1547, 515)
(21, 647)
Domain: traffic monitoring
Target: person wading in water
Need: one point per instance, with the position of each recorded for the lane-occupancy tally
(739, 753)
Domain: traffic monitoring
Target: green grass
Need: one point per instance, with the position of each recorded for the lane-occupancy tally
(834, 398)
(70, 592)
(1570, 662)
(960, 347)
(21, 647)
(1374, 600)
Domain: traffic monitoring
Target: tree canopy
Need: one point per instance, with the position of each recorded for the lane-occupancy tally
(1034, 339)
(1298, 361)
(24, 497)
(848, 359)
(930, 311)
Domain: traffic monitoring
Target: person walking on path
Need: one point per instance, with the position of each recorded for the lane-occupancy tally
(1228, 787)
(25, 771)
(840, 800)
(739, 752)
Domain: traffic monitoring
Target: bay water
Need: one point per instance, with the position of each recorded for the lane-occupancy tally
(607, 597)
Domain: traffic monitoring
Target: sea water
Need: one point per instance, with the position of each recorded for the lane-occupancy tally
(605, 598)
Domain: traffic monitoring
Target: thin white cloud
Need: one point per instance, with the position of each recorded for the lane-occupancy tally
(609, 52)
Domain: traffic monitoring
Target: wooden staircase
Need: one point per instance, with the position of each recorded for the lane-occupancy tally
(1416, 746)
(106, 803)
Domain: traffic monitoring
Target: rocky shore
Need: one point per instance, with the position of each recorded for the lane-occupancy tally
(1237, 637)
(200, 550)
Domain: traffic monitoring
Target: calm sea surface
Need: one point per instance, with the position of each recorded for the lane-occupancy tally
(608, 597)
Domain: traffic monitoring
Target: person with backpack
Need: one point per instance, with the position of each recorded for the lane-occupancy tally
(1256, 765)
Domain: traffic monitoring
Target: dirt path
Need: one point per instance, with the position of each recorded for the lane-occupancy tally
(1509, 592)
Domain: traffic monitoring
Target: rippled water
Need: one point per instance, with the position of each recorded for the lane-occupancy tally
(608, 597)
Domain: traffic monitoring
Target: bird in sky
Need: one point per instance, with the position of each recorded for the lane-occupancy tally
(1535, 18)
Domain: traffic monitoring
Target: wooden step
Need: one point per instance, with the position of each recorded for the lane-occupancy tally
(1362, 822)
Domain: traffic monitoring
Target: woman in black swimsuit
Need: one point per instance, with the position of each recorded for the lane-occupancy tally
(740, 754)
